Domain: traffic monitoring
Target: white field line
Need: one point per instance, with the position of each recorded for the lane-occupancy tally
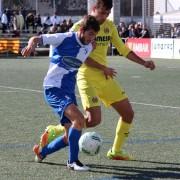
(137, 103)
(8, 91)
(156, 105)
(21, 89)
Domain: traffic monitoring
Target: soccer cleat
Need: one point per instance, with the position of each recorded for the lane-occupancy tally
(121, 155)
(50, 133)
(43, 139)
(77, 166)
(38, 157)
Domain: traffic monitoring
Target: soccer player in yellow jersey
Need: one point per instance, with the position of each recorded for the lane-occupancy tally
(95, 80)
(96, 83)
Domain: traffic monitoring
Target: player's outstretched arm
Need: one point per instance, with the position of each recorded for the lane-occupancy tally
(32, 43)
(135, 58)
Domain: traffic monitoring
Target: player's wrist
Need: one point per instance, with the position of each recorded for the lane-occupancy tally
(103, 68)
(143, 63)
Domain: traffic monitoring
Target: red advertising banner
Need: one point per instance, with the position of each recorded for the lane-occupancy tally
(142, 47)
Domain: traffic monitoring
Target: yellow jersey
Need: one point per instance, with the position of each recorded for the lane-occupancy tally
(108, 33)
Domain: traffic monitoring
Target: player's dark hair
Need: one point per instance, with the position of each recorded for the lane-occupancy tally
(90, 22)
(108, 4)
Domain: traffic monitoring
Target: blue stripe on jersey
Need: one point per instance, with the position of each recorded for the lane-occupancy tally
(66, 58)
(69, 82)
(69, 47)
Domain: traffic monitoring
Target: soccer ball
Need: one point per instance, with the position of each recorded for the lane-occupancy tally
(90, 143)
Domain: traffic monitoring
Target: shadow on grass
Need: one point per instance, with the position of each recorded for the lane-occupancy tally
(48, 163)
(128, 172)
(157, 162)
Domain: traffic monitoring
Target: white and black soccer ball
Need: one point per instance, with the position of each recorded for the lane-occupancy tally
(90, 143)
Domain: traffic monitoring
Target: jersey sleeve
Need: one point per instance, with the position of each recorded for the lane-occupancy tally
(53, 39)
(118, 43)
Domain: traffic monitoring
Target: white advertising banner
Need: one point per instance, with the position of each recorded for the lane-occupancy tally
(162, 48)
(176, 48)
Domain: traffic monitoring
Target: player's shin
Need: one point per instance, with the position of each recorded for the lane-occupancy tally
(74, 136)
(57, 144)
(122, 132)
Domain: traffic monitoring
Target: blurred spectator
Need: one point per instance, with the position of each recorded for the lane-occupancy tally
(37, 22)
(4, 21)
(30, 21)
(137, 30)
(69, 23)
(47, 23)
(145, 32)
(120, 26)
(14, 21)
(131, 31)
(55, 19)
(175, 32)
(20, 21)
(64, 26)
(9, 14)
(53, 29)
(123, 33)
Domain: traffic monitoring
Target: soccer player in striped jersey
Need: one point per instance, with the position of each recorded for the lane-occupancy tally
(70, 50)
(96, 80)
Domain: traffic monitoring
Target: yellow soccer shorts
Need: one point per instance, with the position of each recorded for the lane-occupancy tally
(91, 91)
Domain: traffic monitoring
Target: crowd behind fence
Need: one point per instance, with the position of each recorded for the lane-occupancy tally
(16, 24)
(24, 22)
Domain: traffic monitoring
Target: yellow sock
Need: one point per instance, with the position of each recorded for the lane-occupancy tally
(122, 131)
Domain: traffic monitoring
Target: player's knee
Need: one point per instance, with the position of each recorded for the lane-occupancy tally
(79, 123)
(93, 119)
(93, 122)
(131, 115)
(96, 122)
(65, 139)
(128, 116)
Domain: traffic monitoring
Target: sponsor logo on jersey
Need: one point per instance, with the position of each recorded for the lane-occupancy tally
(103, 38)
(94, 99)
(71, 62)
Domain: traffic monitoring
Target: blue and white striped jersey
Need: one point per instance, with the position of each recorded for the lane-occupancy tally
(68, 53)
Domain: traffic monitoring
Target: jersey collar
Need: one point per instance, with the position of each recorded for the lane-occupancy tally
(77, 38)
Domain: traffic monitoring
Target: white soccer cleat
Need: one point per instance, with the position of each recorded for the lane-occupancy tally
(77, 166)
(37, 159)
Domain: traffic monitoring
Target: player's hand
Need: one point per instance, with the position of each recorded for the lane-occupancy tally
(150, 65)
(109, 72)
(27, 51)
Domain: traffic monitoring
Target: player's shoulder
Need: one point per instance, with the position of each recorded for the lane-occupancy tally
(69, 34)
(76, 25)
(78, 22)
(65, 35)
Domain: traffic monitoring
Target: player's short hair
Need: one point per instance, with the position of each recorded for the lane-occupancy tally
(107, 4)
(90, 22)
